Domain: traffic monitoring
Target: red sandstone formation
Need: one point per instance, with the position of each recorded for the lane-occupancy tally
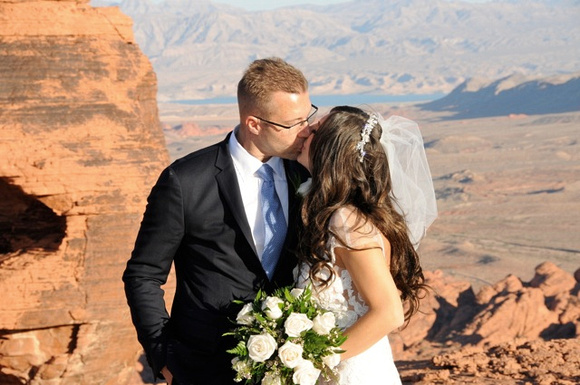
(506, 332)
(81, 146)
(518, 361)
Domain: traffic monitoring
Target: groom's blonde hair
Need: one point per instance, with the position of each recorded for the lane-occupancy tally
(265, 76)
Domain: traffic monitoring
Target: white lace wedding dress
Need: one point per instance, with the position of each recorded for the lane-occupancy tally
(375, 366)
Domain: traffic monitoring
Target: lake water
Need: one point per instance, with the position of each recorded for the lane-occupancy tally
(333, 100)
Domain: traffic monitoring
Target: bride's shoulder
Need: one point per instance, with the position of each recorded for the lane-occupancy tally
(349, 220)
(345, 216)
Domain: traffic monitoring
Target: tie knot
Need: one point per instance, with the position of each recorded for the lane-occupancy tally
(266, 172)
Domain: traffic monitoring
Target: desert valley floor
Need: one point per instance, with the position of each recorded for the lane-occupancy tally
(508, 187)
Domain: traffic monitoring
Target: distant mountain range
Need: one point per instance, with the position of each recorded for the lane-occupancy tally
(199, 49)
(512, 95)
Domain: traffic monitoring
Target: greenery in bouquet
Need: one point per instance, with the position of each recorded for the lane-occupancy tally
(285, 338)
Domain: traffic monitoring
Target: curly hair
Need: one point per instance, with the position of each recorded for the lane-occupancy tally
(340, 179)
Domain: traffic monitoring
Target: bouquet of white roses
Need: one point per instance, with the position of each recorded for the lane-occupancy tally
(285, 339)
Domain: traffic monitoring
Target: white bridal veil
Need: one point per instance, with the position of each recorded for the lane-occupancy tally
(412, 185)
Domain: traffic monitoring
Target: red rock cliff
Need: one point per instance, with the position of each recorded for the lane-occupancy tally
(81, 146)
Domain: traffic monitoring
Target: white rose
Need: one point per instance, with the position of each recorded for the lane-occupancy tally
(261, 347)
(271, 378)
(246, 316)
(331, 360)
(290, 354)
(271, 307)
(296, 323)
(305, 373)
(324, 323)
(296, 292)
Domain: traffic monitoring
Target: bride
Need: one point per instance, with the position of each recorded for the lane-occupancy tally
(370, 202)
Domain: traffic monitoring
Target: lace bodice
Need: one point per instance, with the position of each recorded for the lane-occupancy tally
(341, 296)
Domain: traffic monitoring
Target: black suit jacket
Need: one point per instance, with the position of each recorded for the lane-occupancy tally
(195, 219)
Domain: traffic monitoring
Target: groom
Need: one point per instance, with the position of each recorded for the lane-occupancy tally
(205, 216)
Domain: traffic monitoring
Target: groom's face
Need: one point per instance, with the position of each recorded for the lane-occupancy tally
(304, 156)
(285, 109)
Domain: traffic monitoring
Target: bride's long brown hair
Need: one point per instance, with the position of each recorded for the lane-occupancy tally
(339, 179)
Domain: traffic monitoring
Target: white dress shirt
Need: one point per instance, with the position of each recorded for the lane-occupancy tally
(250, 183)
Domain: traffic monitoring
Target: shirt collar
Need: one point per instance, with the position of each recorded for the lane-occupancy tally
(249, 164)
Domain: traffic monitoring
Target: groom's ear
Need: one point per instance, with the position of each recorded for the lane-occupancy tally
(253, 124)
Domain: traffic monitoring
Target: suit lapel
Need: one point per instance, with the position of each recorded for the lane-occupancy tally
(228, 185)
(295, 175)
(294, 178)
(230, 190)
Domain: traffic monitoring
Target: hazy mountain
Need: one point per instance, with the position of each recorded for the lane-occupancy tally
(516, 94)
(199, 49)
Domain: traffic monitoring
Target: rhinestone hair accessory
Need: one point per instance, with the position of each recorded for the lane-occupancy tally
(366, 134)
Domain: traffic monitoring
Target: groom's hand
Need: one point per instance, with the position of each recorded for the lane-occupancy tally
(167, 374)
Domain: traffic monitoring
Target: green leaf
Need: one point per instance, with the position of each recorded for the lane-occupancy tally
(259, 317)
(289, 297)
(239, 350)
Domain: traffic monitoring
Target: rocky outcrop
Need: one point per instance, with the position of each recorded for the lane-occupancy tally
(514, 329)
(81, 146)
(552, 362)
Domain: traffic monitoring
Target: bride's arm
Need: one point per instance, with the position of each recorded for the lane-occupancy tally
(369, 270)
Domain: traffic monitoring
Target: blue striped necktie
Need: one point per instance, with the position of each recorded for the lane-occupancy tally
(274, 221)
